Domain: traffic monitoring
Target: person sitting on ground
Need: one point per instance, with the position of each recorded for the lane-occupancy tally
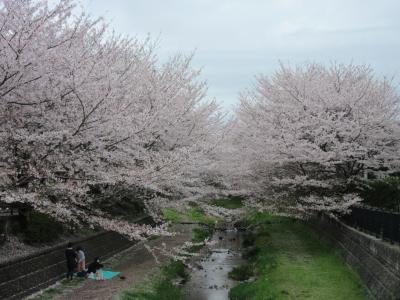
(95, 268)
(81, 259)
(71, 257)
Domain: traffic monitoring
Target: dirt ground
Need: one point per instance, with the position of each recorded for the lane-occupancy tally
(133, 263)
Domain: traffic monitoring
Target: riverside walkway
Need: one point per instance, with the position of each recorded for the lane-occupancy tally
(133, 263)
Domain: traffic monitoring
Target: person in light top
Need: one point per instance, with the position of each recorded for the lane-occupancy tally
(81, 259)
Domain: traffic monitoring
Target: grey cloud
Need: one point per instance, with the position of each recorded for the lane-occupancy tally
(236, 39)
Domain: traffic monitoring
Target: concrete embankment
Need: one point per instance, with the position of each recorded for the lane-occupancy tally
(26, 275)
(377, 262)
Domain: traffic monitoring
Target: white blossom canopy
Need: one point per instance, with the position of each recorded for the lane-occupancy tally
(81, 105)
(305, 136)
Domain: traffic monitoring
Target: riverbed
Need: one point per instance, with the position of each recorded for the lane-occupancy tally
(209, 279)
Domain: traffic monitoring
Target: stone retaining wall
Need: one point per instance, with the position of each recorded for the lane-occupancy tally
(29, 274)
(377, 262)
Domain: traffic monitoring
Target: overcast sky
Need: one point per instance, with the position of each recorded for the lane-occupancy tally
(234, 40)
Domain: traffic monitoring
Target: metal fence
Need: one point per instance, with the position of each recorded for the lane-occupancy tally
(383, 224)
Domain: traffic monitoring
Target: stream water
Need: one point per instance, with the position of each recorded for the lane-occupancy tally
(209, 280)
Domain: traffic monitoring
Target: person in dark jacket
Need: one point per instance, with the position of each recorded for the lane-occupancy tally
(71, 257)
(95, 268)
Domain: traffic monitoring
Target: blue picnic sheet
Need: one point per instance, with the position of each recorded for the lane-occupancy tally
(107, 275)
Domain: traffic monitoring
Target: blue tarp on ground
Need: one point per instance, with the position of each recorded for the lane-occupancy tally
(107, 275)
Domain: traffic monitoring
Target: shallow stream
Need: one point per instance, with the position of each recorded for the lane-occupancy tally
(209, 280)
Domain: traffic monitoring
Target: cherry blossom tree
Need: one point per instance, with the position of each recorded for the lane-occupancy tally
(82, 106)
(305, 137)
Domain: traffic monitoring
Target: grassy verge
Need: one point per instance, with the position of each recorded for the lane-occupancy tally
(161, 284)
(199, 235)
(53, 292)
(292, 262)
(172, 215)
(233, 202)
(194, 214)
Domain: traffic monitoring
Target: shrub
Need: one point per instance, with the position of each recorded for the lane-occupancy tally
(384, 193)
(231, 202)
(126, 208)
(248, 241)
(42, 228)
(241, 273)
(245, 291)
(175, 269)
(160, 285)
(251, 252)
(201, 233)
(163, 290)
